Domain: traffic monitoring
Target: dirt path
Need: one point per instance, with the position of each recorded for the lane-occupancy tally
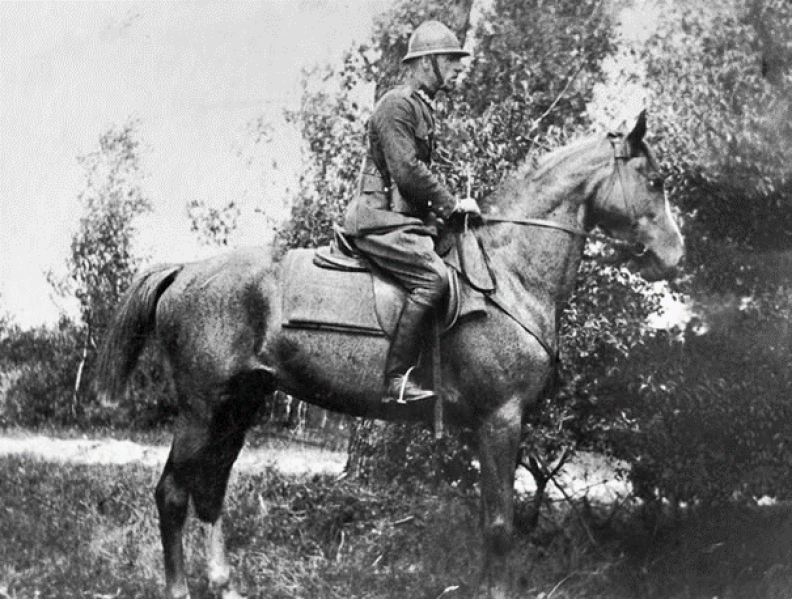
(588, 474)
(289, 460)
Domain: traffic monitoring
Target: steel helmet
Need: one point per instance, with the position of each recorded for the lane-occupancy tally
(432, 37)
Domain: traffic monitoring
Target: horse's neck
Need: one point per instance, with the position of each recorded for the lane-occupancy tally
(544, 260)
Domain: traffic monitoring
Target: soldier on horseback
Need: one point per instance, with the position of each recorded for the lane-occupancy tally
(395, 216)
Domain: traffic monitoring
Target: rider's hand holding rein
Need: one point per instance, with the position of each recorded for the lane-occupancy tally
(467, 212)
(468, 206)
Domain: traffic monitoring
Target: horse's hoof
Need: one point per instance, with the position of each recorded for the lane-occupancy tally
(224, 589)
(178, 592)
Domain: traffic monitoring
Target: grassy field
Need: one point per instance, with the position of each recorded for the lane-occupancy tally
(90, 531)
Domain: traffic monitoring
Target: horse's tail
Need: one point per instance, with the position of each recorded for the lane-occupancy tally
(126, 336)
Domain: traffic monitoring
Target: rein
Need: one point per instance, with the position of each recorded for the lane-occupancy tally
(549, 224)
(620, 155)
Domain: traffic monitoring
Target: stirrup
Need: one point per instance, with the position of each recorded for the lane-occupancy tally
(405, 381)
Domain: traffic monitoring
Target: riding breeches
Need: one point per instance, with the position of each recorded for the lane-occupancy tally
(408, 255)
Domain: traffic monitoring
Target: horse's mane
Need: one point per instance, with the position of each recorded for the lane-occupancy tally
(577, 157)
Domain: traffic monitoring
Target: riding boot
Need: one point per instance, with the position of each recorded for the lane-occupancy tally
(402, 355)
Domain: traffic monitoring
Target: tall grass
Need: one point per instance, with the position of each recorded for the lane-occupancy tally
(91, 532)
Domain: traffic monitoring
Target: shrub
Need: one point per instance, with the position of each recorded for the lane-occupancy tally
(706, 413)
(46, 361)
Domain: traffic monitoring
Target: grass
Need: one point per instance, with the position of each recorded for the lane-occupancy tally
(91, 532)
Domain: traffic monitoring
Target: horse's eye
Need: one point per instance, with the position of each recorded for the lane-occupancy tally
(656, 183)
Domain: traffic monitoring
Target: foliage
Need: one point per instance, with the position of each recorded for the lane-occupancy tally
(213, 226)
(706, 412)
(530, 79)
(42, 366)
(101, 264)
(515, 94)
(516, 101)
(701, 414)
(408, 455)
(720, 81)
(332, 125)
(336, 103)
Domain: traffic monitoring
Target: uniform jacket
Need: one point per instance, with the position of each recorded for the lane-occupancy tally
(396, 186)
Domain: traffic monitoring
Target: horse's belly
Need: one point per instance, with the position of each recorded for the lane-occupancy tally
(335, 370)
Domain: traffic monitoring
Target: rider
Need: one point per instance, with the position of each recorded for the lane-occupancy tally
(394, 217)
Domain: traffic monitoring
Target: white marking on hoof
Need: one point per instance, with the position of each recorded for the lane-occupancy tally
(178, 592)
(219, 575)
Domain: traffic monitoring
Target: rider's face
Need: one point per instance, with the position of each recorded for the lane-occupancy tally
(450, 66)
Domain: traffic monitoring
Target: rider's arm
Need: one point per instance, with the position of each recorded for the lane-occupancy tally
(396, 124)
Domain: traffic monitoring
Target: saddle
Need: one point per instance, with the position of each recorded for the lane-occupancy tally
(335, 288)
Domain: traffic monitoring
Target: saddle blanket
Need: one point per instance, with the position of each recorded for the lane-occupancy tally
(354, 301)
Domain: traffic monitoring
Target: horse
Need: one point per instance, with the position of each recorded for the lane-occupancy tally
(219, 321)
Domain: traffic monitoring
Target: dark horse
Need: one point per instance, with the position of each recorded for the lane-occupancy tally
(219, 323)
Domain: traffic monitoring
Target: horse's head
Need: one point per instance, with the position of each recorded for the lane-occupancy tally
(630, 204)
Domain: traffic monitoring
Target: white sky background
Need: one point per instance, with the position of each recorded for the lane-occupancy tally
(194, 73)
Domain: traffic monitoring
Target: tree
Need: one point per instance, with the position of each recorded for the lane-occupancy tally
(335, 107)
(101, 263)
(727, 115)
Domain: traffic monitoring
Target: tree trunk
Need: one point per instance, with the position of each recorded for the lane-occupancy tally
(365, 444)
(80, 370)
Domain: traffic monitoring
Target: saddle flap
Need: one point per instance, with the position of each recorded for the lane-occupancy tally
(466, 254)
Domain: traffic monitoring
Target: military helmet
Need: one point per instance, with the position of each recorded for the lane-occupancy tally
(432, 37)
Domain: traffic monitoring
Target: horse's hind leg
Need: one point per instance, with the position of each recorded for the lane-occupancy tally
(172, 501)
(205, 447)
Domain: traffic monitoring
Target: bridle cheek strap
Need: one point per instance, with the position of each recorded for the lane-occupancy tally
(621, 154)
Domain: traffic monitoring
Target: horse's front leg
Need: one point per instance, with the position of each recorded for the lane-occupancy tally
(219, 571)
(499, 442)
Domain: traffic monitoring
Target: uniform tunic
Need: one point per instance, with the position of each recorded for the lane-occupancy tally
(394, 216)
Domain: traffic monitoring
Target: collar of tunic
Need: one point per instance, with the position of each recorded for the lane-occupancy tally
(425, 97)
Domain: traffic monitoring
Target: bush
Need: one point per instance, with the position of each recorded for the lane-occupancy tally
(42, 366)
(408, 455)
(46, 362)
(706, 414)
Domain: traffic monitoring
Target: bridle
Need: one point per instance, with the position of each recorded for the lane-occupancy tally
(620, 154)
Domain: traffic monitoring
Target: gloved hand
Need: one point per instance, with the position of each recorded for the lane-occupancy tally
(468, 205)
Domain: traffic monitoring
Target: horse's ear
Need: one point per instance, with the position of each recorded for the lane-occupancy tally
(635, 137)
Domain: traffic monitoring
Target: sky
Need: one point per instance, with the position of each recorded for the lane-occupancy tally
(194, 75)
